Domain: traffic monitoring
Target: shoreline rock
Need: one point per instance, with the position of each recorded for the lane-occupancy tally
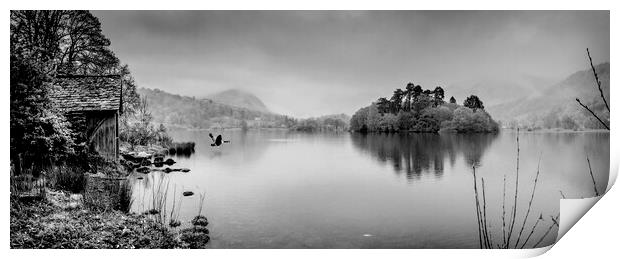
(140, 153)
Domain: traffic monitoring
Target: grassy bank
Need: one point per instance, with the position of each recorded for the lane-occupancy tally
(63, 220)
(66, 208)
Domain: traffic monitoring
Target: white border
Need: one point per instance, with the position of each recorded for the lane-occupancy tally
(594, 236)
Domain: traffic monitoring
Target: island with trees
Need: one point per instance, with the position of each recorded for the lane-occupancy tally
(418, 110)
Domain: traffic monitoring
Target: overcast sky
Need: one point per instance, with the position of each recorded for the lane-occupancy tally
(310, 63)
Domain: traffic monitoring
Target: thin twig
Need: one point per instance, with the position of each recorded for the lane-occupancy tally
(174, 201)
(484, 206)
(592, 175)
(562, 194)
(532, 231)
(598, 82)
(548, 230)
(504, 212)
(529, 207)
(593, 114)
(164, 199)
(514, 208)
(477, 208)
(202, 199)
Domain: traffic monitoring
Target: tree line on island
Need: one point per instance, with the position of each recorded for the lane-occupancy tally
(415, 109)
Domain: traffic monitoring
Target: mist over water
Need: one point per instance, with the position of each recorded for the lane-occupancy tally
(280, 189)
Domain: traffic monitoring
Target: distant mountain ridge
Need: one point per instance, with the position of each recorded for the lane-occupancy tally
(556, 105)
(184, 111)
(239, 98)
(493, 91)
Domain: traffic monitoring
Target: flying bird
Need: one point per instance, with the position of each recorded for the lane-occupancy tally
(217, 141)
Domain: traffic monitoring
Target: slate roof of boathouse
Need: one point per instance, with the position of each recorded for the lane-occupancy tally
(87, 93)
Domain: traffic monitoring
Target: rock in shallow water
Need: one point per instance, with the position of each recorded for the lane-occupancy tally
(168, 170)
(143, 155)
(151, 212)
(169, 161)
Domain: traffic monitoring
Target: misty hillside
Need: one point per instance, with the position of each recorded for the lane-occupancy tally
(555, 107)
(493, 91)
(340, 116)
(172, 109)
(238, 98)
(331, 122)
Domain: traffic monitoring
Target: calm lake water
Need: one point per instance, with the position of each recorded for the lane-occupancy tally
(279, 189)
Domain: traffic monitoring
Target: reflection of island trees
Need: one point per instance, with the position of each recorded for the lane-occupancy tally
(418, 153)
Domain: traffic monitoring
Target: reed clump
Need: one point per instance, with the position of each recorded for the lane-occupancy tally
(125, 197)
(175, 210)
(158, 210)
(513, 234)
(106, 194)
(159, 200)
(198, 235)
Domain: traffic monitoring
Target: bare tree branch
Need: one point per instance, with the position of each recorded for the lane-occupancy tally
(597, 81)
(593, 114)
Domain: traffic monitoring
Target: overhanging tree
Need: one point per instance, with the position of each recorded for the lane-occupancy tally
(68, 42)
(44, 44)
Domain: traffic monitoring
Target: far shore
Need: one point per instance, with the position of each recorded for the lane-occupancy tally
(175, 126)
(523, 130)
(556, 130)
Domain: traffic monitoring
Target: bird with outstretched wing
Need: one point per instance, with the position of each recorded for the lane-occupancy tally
(218, 140)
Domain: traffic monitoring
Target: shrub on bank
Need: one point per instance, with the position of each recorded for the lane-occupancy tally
(67, 178)
(138, 129)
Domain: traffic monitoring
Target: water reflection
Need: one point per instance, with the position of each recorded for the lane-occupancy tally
(415, 154)
(244, 147)
(184, 149)
(279, 189)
